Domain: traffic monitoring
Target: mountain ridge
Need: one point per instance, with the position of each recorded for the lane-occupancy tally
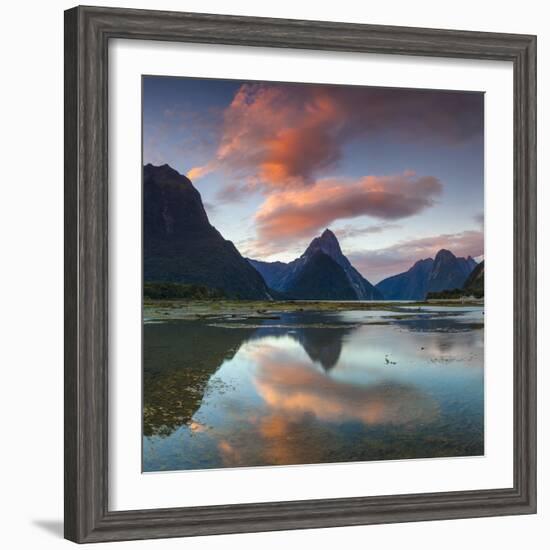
(445, 271)
(181, 246)
(282, 277)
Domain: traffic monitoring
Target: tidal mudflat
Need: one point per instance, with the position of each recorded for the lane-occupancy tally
(260, 384)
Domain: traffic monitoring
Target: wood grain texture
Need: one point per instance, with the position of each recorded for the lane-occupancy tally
(87, 34)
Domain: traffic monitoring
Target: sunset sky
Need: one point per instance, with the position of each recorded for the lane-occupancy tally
(397, 174)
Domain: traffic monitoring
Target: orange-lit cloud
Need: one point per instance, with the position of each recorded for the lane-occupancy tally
(283, 135)
(199, 171)
(279, 135)
(302, 212)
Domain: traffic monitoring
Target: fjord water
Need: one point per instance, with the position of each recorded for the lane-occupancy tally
(304, 388)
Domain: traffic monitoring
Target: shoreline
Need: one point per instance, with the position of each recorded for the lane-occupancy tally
(261, 310)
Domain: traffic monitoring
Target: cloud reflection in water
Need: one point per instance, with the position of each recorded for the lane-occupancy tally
(306, 394)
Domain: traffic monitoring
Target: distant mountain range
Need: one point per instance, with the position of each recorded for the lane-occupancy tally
(473, 286)
(322, 272)
(181, 246)
(445, 272)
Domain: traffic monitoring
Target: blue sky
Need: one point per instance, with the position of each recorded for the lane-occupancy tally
(396, 174)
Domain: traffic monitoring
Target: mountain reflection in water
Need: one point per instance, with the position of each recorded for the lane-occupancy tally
(312, 388)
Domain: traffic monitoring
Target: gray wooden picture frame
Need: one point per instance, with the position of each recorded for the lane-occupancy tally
(87, 34)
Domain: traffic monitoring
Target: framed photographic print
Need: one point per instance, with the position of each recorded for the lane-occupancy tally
(277, 308)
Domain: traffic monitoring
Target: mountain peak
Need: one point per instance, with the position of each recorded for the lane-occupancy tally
(327, 243)
(444, 254)
(163, 174)
(445, 272)
(449, 272)
(321, 267)
(328, 234)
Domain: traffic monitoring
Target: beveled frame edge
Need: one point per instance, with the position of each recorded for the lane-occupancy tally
(87, 33)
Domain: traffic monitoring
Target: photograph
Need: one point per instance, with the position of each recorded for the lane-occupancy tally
(313, 273)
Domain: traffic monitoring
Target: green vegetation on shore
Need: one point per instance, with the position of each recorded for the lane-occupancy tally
(454, 294)
(178, 291)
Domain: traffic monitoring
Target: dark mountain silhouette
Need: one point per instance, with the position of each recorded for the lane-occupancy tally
(305, 274)
(411, 285)
(320, 278)
(328, 243)
(471, 263)
(473, 286)
(180, 245)
(445, 272)
(448, 271)
(475, 282)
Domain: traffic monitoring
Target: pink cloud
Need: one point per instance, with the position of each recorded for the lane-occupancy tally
(378, 264)
(303, 211)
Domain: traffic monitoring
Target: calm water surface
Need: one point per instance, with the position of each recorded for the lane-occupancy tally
(313, 388)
